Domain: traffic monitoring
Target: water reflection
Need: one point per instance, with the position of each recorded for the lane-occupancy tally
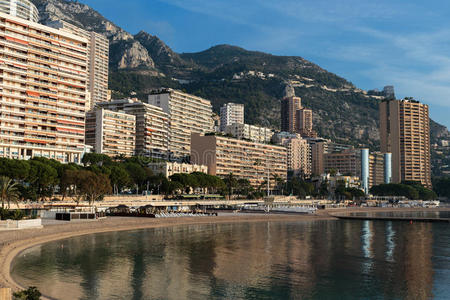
(271, 260)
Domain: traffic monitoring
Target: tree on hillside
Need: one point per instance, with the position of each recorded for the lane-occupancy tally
(8, 191)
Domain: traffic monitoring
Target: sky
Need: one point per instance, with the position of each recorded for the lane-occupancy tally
(405, 43)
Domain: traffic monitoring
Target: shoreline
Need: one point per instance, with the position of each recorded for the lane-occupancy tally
(12, 243)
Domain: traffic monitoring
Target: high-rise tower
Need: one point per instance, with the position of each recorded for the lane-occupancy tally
(405, 132)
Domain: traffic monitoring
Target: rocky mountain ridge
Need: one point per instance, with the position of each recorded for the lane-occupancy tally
(224, 73)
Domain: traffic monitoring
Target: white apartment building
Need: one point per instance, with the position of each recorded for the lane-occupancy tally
(43, 79)
(250, 132)
(152, 126)
(170, 168)
(98, 60)
(231, 113)
(111, 132)
(23, 9)
(187, 114)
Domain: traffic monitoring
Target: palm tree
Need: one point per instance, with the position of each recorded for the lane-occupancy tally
(8, 191)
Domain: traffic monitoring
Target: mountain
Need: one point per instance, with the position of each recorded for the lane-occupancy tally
(225, 73)
(126, 52)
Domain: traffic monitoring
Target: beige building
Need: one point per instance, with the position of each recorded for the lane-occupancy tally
(304, 124)
(347, 162)
(111, 132)
(23, 9)
(318, 148)
(98, 60)
(43, 76)
(187, 114)
(231, 113)
(152, 126)
(298, 157)
(170, 168)
(405, 132)
(250, 132)
(244, 159)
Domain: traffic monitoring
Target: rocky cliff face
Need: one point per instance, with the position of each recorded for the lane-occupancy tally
(127, 53)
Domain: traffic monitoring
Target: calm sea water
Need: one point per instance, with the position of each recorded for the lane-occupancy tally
(267, 260)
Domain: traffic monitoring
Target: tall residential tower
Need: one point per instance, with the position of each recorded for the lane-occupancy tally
(231, 113)
(405, 132)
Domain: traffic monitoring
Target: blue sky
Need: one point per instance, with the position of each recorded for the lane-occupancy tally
(370, 43)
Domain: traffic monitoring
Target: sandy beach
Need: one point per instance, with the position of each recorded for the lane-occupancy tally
(13, 242)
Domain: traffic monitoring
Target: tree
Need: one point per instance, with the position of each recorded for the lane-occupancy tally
(230, 183)
(32, 293)
(43, 178)
(93, 186)
(119, 177)
(442, 187)
(8, 191)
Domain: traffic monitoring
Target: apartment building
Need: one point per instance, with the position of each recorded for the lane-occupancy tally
(405, 132)
(23, 9)
(347, 162)
(98, 60)
(304, 126)
(111, 132)
(318, 148)
(187, 114)
(169, 168)
(250, 132)
(152, 126)
(244, 159)
(231, 113)
(289, 107)
(298, 157)
(43, 77)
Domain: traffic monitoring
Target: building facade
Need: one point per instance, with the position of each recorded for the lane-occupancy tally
(169, 168)
(298, 157)
(187, 114)
(289, 107)
(152, 126)
(304, 124)
(250, 132)
(111, 132)
(43, 75)
(318, 148)
(244, 159)
(98, 60)
(23, 9)
(231, 113)
(405, 132)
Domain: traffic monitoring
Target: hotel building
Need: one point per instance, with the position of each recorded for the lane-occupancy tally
(187, 114)
(111, 132)
(152, 126)
(244, 159)
(405, 132)
(230, 114)
(98, 60)
(43, 76)
(250, 132)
